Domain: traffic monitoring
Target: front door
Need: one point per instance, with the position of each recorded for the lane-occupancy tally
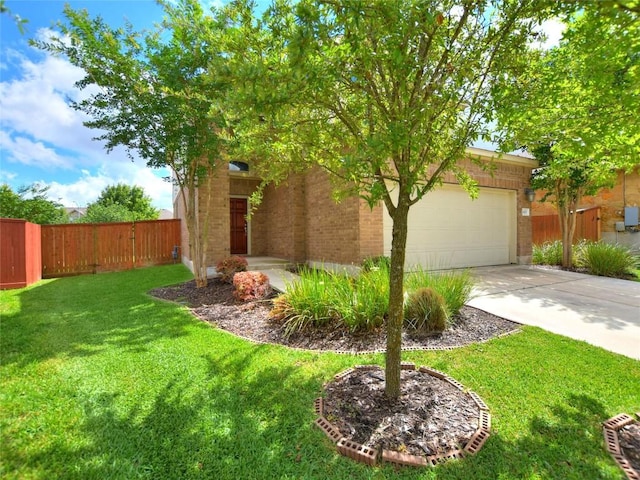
(238, 226)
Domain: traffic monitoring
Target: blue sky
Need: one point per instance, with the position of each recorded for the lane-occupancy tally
(42, 139)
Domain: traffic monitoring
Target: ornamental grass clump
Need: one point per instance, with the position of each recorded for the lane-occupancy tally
(361, 303)
(605, 259)
(425, 312)
(454, 286)
(308, 302)
(229, 266)
(549, 253)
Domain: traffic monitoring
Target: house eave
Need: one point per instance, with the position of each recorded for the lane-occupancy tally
(508, 158)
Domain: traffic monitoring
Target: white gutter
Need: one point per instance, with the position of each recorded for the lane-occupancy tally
(503, 157)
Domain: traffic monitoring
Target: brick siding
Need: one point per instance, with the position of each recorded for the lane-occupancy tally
(299, 220)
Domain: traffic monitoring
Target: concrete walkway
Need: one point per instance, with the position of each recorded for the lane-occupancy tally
(601, 311)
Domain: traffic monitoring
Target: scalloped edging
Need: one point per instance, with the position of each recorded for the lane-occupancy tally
(610, 431)
(370, 456)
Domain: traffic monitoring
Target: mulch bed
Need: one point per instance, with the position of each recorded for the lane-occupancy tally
(629, 438)
(431, 417)
(216, 305)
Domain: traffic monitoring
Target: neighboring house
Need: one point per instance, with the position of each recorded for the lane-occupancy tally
(75, 212)
(165, 214)
(619, 209)
(299, 221)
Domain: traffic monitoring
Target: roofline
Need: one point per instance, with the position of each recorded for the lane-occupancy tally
(503, 157)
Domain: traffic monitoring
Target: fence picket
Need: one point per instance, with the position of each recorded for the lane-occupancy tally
(75, 249)
(546, 228)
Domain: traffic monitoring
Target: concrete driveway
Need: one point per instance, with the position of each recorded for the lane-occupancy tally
(601, 311)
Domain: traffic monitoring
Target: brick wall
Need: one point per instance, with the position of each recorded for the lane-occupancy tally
(612, 201)
(371, 226)
(283, 207)
(216, 214)
(332, 229)
(299, 220)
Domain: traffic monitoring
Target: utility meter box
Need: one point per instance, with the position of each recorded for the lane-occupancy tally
(630, 216)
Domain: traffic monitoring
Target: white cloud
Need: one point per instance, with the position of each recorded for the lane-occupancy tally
(36, 105)
(88, 187)
(43, 138)
(27, 152)
(552, 31)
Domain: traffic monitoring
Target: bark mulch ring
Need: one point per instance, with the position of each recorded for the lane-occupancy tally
(622, 437)
(435, 419)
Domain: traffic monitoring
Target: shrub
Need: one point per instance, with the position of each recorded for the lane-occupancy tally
(229, 266)
(361, 303)
(454, 286)
(377, 262)
(425, 311)
(251, 286)
(605, 259)
(549, 253)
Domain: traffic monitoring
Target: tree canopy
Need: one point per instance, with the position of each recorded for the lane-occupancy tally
(31, 203)
(130, 201)
(384, 95)
(152, 96)
(575, 107)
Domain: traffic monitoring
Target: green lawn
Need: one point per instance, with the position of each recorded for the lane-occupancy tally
(99, 380)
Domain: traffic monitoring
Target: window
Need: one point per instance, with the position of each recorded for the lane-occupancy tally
(238, 166)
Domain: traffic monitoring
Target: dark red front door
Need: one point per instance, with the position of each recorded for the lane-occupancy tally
(238, 226)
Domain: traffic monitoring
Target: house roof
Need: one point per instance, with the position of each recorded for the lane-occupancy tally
(522, 160)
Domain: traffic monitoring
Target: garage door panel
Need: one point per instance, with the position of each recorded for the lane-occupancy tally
(447, 229)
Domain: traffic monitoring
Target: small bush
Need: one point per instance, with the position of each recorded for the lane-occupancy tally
(425, 311)
(605, 259)
(549, 253)
(229, 266)
(454, 286)
(375, 263)
(251, 286)
(362, 302)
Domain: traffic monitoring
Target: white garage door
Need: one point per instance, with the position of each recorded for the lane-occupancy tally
(449, 230)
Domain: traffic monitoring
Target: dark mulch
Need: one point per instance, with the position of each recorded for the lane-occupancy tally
(629, 439)
(215, 304)
(431, 416)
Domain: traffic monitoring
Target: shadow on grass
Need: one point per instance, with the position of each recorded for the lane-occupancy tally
(80, 316)
(246, 419)
(566, 444)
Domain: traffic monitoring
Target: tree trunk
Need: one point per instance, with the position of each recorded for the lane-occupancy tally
(567, 205)
(396, 300)
(192, 219)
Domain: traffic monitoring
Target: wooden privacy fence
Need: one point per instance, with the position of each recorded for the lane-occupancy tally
(546, 228)
(75, 249)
